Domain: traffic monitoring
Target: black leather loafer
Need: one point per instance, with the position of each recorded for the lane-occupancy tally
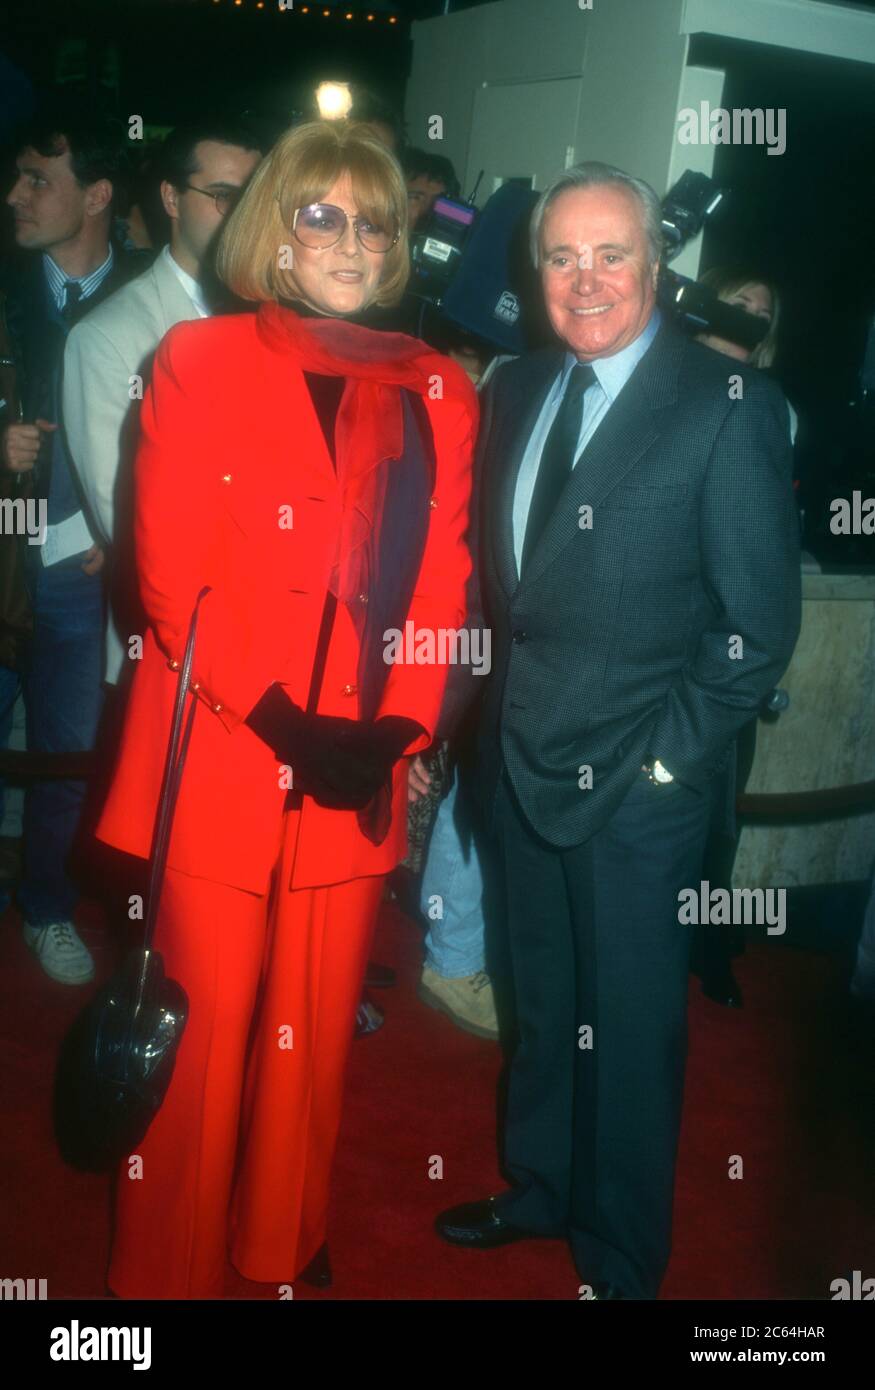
(478, 1226)
(318, 1271)
(723, 988)
(605, 1291)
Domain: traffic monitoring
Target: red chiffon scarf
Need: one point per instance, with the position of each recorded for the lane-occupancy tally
(369, 429)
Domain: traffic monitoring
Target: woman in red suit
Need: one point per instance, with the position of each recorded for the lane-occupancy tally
(315, 475)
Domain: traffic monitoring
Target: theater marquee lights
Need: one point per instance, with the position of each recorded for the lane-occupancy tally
(291, 7)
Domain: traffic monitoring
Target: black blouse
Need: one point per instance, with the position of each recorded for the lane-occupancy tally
(325, 392)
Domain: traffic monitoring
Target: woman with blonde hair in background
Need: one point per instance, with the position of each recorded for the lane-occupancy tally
(756, 296)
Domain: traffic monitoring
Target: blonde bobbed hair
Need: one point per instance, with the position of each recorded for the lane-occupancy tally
(301, 168)
(726, 281)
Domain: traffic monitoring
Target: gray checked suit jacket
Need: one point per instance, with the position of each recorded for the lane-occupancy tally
(659, 628)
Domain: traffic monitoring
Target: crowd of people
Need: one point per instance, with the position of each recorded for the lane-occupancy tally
(196, 409)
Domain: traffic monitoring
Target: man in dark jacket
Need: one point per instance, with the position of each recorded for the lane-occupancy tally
(640, 571)
(68, 181)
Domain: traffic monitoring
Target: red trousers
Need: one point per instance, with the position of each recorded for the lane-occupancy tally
(238, 1159)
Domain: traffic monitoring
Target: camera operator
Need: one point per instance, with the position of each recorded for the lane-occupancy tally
(427, 176)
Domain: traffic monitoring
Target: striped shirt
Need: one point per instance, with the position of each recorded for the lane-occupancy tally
(57, 279)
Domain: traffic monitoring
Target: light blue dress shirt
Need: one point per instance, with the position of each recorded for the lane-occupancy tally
(612, 373)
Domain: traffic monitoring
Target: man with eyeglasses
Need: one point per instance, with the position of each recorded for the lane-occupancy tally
(203, 171)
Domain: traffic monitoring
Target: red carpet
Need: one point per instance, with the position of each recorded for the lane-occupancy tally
(778, 1083)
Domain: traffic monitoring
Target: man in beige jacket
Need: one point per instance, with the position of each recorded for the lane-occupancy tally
(203, 170)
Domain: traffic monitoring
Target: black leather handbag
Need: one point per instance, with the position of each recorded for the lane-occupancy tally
(116, 1062)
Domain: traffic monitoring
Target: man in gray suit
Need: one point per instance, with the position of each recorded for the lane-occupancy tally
(639, 561)
(204, 170)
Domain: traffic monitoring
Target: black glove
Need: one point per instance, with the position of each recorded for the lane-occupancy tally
(341, 763)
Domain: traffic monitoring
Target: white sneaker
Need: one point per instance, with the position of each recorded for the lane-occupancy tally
(60, 952)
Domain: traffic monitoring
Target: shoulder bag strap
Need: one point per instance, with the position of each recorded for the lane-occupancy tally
(176, 751)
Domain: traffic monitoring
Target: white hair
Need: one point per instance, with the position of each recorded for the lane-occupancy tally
(595, 175)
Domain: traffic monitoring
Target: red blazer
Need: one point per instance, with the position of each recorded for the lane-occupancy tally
(230, 441)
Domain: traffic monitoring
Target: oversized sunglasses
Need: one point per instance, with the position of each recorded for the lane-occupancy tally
(319, 225)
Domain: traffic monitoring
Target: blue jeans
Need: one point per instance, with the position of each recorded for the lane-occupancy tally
(63, 696)
(452, 885)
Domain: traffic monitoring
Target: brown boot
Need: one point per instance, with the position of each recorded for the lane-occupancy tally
(469, 1001)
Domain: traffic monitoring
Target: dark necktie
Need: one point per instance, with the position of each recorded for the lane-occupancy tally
(557, 458)
(74, 294)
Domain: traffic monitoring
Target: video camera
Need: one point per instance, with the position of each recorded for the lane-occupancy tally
(474, 267)
(685, 208)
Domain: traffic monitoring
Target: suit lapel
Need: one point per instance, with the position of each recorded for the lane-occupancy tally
(515, 428)
(176, 306)
(627, 430)
(39, 344)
